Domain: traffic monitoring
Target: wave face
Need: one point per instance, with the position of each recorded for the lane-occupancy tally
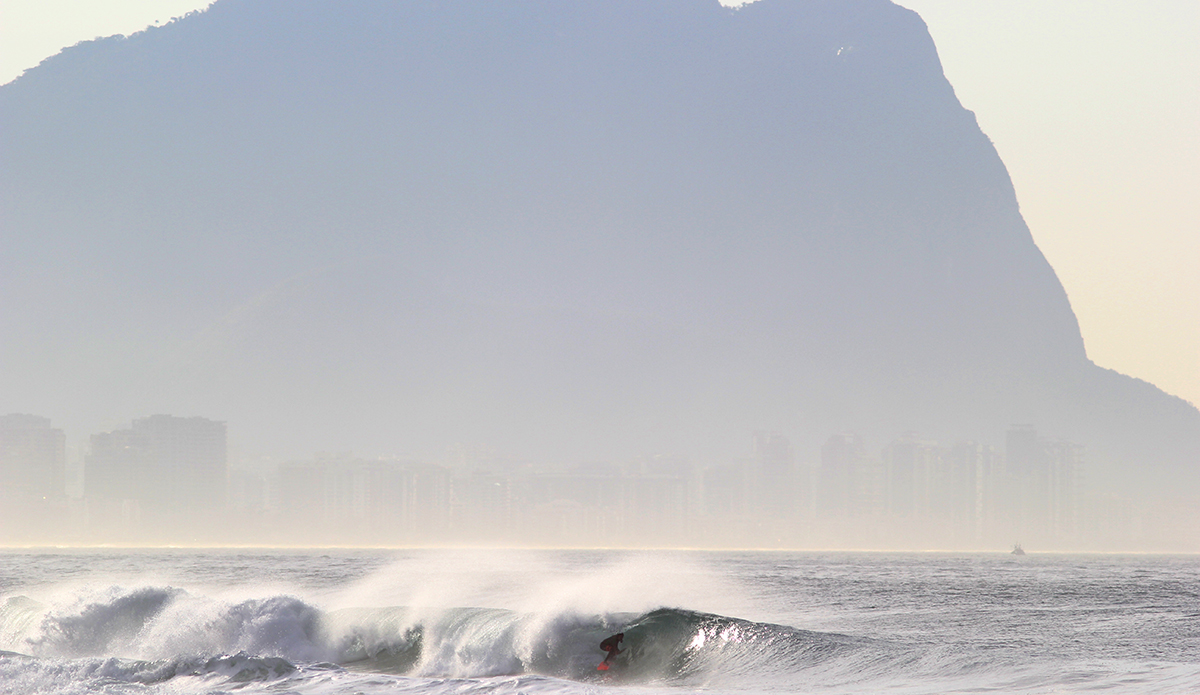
(155, 634)
(666, 644)
(154, 622)
(505, 621)
(687, 645)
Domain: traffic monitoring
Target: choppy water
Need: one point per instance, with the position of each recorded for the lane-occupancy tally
(261, 621)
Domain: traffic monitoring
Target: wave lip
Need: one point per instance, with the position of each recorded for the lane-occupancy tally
(99, 627)
(667, 644)
(690, 646)
(152, 634)
(157, 624)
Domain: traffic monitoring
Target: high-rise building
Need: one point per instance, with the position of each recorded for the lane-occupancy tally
(481, 506)
(32, 460)
(778, 495)
(1022, 452)
(972, 489)
(723, 493)
(1042, 484)
(843, 463)
(1065, 463)
(32, 480)
(914, 467)
(167, 470)
(339, 499)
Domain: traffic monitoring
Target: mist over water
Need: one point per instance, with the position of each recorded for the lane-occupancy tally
(530, 621)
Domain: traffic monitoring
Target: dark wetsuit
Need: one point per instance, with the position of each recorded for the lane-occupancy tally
(611, 645)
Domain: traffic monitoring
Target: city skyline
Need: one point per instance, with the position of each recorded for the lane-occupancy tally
(569, 258)
(168, 477)
(771, 345)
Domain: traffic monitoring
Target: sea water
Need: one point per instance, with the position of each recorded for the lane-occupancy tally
(524, 621)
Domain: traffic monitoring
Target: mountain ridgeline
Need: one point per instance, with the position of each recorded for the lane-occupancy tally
(571, 230)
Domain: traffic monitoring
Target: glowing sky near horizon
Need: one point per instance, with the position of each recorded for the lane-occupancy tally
(1094, 106)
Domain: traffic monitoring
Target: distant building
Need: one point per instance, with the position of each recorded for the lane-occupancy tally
(164, 473)
(778, 494)
(341, 499)
(581, 505)
(655, 505)
(844, 465)
(33, 460)
(1041, 484)
(32, 479)
(971, 490)
(481, 506)
(1021, 450)
(1065, 461)
(724, 494)
(913, 466)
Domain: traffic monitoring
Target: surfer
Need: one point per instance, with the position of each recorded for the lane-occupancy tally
(612, 646)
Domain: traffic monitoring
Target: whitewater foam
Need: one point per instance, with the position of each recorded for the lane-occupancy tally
(158, 633)
(876, 623)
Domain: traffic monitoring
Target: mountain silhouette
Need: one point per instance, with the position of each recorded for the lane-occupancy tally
(572, 230)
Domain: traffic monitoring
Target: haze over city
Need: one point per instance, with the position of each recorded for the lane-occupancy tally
(492, 289)
(567, 347)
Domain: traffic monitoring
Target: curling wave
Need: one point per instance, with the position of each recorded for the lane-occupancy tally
(153, 634)
(667, 644)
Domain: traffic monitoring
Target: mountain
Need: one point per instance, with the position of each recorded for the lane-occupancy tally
(570, 230)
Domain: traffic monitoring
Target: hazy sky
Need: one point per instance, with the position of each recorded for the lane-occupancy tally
(1094, 106)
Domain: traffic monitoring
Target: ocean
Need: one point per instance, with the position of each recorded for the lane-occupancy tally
(277, 621)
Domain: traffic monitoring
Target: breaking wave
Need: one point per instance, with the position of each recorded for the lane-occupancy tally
(155, 634)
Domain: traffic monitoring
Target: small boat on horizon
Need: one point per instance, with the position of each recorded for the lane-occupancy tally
(1017, 549)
